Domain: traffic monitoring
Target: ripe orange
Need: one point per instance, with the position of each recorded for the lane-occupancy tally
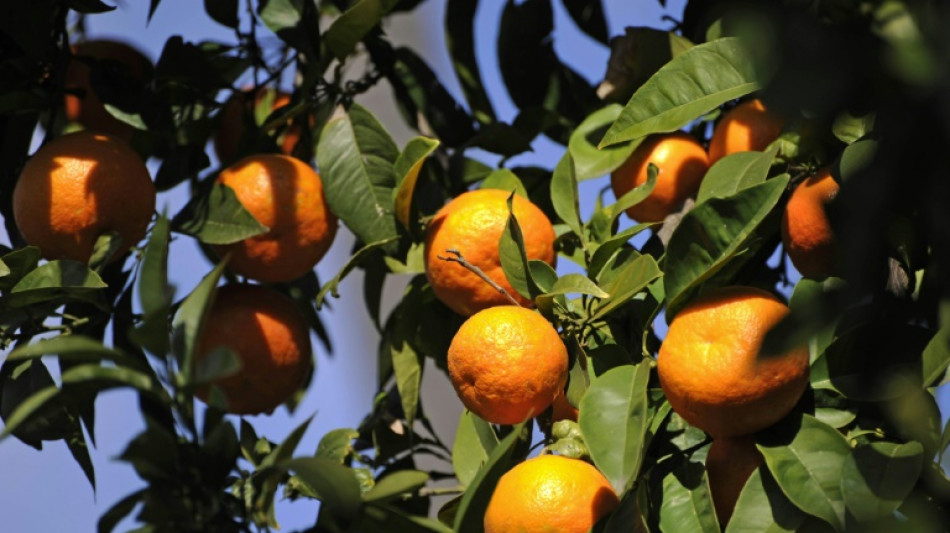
(286, 195)
(729, 464)
(681, 162)
(549, 493)
(78, 187)
(473, 223)
(87, 109)
(561, 409)
(748, 126)
(710, 369)
(270, 337)
(806, 232)
(507, 364)
(238, 112)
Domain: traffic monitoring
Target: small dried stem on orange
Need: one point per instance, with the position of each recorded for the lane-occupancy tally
(478, 272)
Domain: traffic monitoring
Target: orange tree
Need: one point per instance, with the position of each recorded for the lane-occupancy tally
(859, 88)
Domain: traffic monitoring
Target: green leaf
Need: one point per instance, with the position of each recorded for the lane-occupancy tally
(354, 24)
(335, 485)
(115, 514)
(609, 248)
(155, 295)
(565, 196)
(589, 160)
(635, 57)
(632, 278)
(849, 128)
(514, 260)
(474, 442)
(407, 168)
(55, 280)
(471, 510)
(4, 269)
(878, 476)
(762, 508)
(690, 85)
(635, 195)
(460, 41)
(687, 503)
(219, 363)
(734, 173)
(577, 284)
(296, 22)
(356, 158)
(337, 444)
(217, 218)
(396, 485)
(505, 180)
(189, 320)
(589, 17)
(223, 12)
(105, 248)
(386, 518)
(614, 420)
(19, 263)
(809, 468)
(714, 234)
(936, 356)
(72, 348)
(407, 366)
(361, 255)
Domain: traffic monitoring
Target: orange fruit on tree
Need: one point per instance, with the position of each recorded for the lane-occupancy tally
(748, 126)
(729, 463)
(549, 493)
(238, 113)
(82, 105)
(806, 231)
(507, 364)
(711, 371)
(286, 195)
(269, 336)
(681, 163)
(561, 409)
(78, 187)
(473, 223)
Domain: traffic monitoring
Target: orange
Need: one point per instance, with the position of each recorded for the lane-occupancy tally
(507, 364)
(79, 186)
(681, 162)
(286, 195)
(238, 112)
(86, 108)
(806, 231)
(549, 494)
(729, 464)
(473, 223)
(269, 336)
(710, 369)
(561, 409)
(748, 126)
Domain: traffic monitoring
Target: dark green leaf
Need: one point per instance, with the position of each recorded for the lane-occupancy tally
(407, 168)
(89, 6)
(849, 128)
(614, 420)
(217, 218)
(564, 195)
(809, 468)
(468, 518)
(577, 284)
(474, 442)
(714, 234)
(155, 295)
(502, 139)
(355, 261)
(296, 22)
(396, 485)
(687, 503)
(189, 320)
(72, 348)
(356, 162)
(735, 172)
(60, 279)
(589, 17)
(514, 260)
(634, 196)
(19, 263)
(505, 180)
(878, 476)
(631, 278)
(115, 514)
(635, 56)
(337, 444)
(607, 250)
(218, 363)
(407, 366)
(223, 12)
(354, 24)
(386, 518)
(692, 84)
(460, 40)
(589, 160)
(763, 508)
(936, 356)
(335, 485)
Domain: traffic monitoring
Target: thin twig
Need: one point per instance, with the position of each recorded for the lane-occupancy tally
(478, 272)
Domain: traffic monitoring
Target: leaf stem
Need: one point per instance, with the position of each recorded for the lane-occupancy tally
(478, 272)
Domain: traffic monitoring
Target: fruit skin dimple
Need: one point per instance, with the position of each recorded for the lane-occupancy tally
(747, 127)
(507, 364)
(286, 195)
(710, 369)
(79, 186)
(549, 494)
(806, 231)
(473, 223)
(682, 163)
(269, 336)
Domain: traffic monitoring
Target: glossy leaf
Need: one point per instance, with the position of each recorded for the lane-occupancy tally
(474, 442)
(407, 168)
(809, 468)
(692, 84)
(217, 218)
(632, 278)
(608, 248)
(72, 348)
(155, 295)
(712, 235)
(634, 196)
(565, 196)
(506, 180)
(189, 320)
(460, 41)
(577, 284)
(514, 261)
(356, 158)
(395, 485)
(354, 24)
(687, 502)
(59, 279)
(635, 57)
(763, 508)
(335, 485)
(19, 263)
(614, 420)
(589, 160)
(336, 445)
(735, 172)
(407, 366)
(878, 476)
